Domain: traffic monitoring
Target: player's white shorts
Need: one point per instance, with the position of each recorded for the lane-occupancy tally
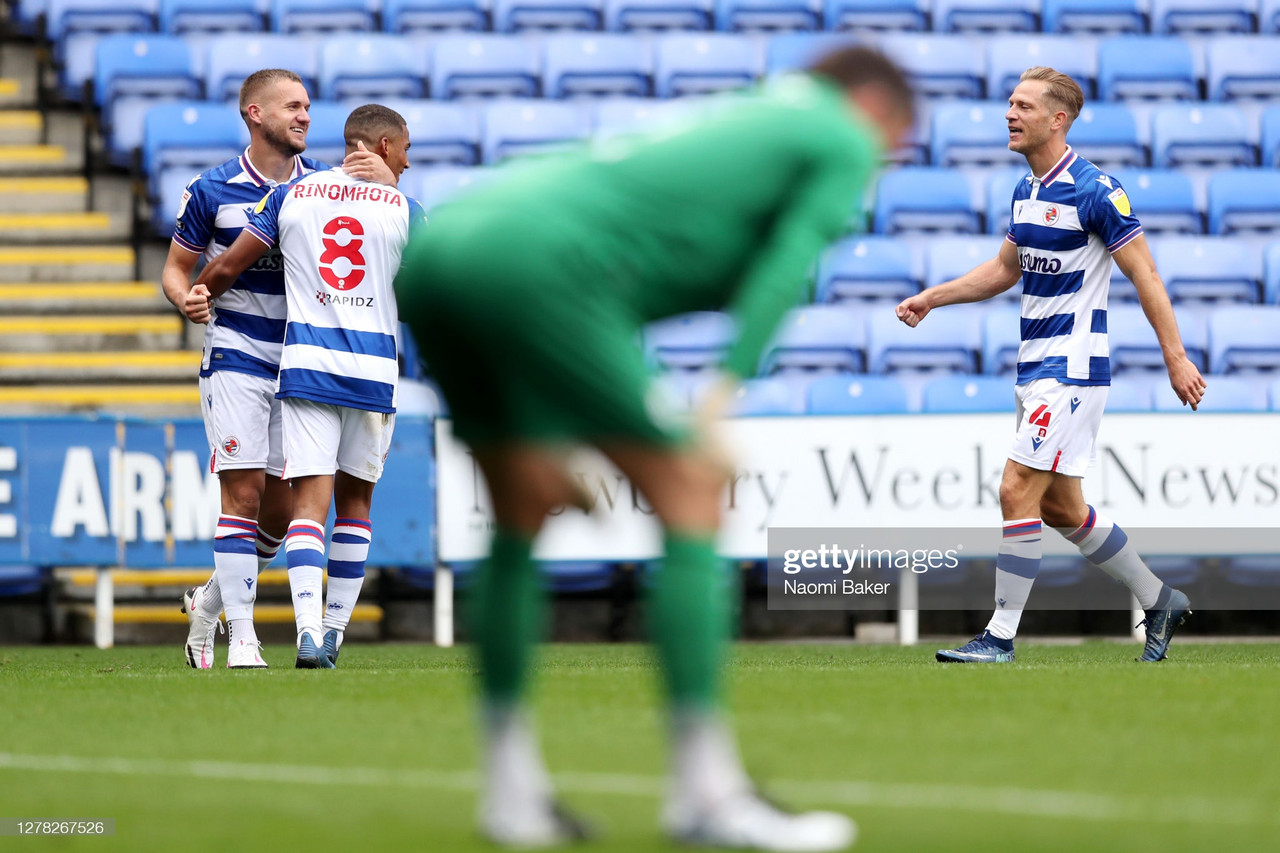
(1058, 425)
(320, 438)
(242, 421)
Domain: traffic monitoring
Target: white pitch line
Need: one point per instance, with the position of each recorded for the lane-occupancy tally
(1018, 802)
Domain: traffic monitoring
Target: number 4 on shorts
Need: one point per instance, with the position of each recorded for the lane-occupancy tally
(1040, 417)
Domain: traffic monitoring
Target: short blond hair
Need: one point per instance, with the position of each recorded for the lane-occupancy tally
(257, 83)
(1060, 90)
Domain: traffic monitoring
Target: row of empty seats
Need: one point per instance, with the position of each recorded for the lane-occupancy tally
(397, 16)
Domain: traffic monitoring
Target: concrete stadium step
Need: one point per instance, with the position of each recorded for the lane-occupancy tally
(20, 127)
(12, 94)
(66, 194)
(169, 614)
(180, 578)
(100, 297)
(51, 367)
(169, 398)
(35, 160)
(65, 263)
(60, 227)
(91, 333)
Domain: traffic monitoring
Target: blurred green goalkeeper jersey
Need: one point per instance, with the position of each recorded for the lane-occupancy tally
(724, 213)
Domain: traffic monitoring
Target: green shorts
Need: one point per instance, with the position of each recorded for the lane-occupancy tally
(524, 336)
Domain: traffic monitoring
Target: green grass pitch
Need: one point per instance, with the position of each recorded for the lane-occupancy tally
(1072, 748)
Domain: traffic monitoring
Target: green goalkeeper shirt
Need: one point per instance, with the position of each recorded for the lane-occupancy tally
(728, 212)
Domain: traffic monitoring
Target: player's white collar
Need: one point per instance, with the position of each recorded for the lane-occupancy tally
(1060, 168)
(256, 175)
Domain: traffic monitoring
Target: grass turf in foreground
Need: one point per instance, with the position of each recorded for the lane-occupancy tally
(1070, 748)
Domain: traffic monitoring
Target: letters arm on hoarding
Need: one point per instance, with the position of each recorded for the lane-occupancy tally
(1135, 261)
(982, 282)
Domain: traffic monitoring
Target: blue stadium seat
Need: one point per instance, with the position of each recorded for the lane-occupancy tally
(771, 16)
(325, 140)
(192, 135)
(1134, 346)
(510, 16)
(1000, 187)
(1140, 67)
(16, 581)
(1273, 395)
(465, 66)
(659, 15)
(429, 16)
(182, 17)
(1060, 570)
(795, 51)
(441, 134)
(947, 340)
(1107, 136)
(133, 72)
(1206, 134)
(320, 16)
(435, 186)
(938, 65)
(369, 66)
(167, 188)
(680, 391)
(610, 65)
(616, 116)
(1134, 392)
(1163, 199)
(1009, 56)
(1208, 268)
(230, 59)
(951, 257)
(877, 15)
(569, 576)
(1001, 339)
(1254, 571)
(1223, 394)
(972, 133)
(1244, 339)
(66, 17)
(867, 267)
(917, 198)
(1094, 17)
(856, 395)
(1243, 67)
(774, 395)
(1192, 17)
(955, 16)
(818, 339)
(695, 341)
(1244, 200)
(520, 128)
(1271, 277)
(697, 64)
(1270, 123)
(956, 394)
(1269, 16)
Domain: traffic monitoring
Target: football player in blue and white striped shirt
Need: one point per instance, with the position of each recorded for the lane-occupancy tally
(1069, 219)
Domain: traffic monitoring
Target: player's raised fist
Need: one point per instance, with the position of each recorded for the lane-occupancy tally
(912, 310)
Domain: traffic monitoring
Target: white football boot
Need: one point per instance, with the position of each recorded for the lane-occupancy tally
(201, 630)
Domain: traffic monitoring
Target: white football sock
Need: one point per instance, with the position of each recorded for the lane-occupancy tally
(304, 550)
(1017, 563)
(235, 564)
(1104, 544)
(348, 551)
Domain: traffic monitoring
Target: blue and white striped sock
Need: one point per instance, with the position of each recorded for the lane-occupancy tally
(1104, 544)
(1017, 563)
(236, 567)
(304, 551)
(268, 546)
(347, 555)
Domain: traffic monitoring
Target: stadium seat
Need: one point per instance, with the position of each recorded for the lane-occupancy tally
(325, 140)
(183, 17)
(435, 186)
(917, 198)
(133, 72)
(192, 135)
(614, 116)
(167, 186)
(1093, 17)
(1163, 199)
(971, 133)
(1270, 124)
(1223, 394)
(320, 16)
(876, 15)
(612, 65)
(369, 66)
(230, 59)
(1273, 395)
(768, 16)
(817, 339)
(1107, 136)
(520, 128)
(983, 16)
(1244, 339)
(480, 66)
(1244, 200)
(1134, 392)
(962, 394)
(1208, 268)
(1009, 56)
(941, 66)
(1192, 17)
(510, 16)
(1269, 16)
(856, 395)
(695, 341)
(773, 395)
(16, 581)
(950, 257)
(948, 340)
(429, 16)
(795, 51)
(1255, 571)
(1200, 134)
(659, 15)
(1271, 274)
(66, 17)
(1001, 340)
(1146, 67)
(1134, 346)
(441, 134)
(1243, 67)
(697, 64)
(678, 391)
(867, 267)
(569, 576)
(1000, 187)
